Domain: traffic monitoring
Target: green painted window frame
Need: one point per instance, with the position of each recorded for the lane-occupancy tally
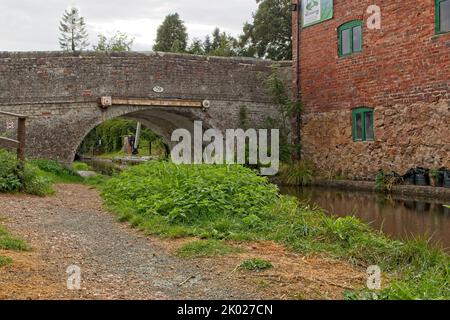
(362, 111)
(438, 17)
(350, 26)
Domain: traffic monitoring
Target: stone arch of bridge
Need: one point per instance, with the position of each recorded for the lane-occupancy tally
(162, 121)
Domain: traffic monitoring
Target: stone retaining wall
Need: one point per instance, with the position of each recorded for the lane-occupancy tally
(406, 136)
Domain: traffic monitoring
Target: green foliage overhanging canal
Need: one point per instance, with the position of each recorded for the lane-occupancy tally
(234, 203)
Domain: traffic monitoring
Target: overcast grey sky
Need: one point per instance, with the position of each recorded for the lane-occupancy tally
(32, 25)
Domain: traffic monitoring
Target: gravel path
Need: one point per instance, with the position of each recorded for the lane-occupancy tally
(116, 262)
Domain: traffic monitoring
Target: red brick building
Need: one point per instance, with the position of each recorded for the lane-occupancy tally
(375, 96)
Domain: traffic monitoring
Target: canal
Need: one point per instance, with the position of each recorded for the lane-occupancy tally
(397, 216)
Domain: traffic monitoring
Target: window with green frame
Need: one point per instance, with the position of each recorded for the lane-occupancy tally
(362, 124)
(350, 37)
(442, 16)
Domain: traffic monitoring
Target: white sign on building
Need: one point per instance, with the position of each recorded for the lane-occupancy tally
(316, 11)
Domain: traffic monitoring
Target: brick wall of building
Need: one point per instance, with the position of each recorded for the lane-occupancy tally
(403, 73)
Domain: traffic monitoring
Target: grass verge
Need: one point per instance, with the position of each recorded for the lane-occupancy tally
(55, 172)
(234, 203)
(8, 242)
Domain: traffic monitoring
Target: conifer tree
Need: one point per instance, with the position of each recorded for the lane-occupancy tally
(171, 35)
(74, 36)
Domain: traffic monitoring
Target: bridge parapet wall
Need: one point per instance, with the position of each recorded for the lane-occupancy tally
(55, 77)
(59, 93)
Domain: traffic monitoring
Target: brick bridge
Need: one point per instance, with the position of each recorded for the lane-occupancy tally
(60, 93)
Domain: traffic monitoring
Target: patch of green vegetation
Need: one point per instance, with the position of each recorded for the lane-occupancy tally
(37, 178)
(14, 180)
(81, 166)
(420, 273)
(206, 201)
(204, 248)
(97, 180)
(287, 109)
(234, 203)
(385, 182)
(297, 173)
(5, 261)
(8, 242)
(256, 265)
(56, 172)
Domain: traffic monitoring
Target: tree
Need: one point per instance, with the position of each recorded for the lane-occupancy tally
(196, 47)
(207, 45)
(177, 47)
(119, 42)
(222, 45)
(171, 35)
(216, 39)
(245, 47)
(74, 36)
(270, 34)
(226, 46)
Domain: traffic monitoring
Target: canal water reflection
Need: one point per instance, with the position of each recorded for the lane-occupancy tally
(397, 216)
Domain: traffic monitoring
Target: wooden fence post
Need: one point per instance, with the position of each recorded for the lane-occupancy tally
(18, 144)
(21, 137)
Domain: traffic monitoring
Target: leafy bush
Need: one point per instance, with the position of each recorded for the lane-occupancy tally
(35, 183)
(9, 173)
(256, 265)
(13, 180)
(37, 178)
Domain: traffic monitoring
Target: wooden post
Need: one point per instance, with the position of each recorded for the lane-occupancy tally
(21, 137)
(137, 137)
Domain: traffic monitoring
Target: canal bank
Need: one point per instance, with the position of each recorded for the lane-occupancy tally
(408, 212)
(404, 190)
(397, 215)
